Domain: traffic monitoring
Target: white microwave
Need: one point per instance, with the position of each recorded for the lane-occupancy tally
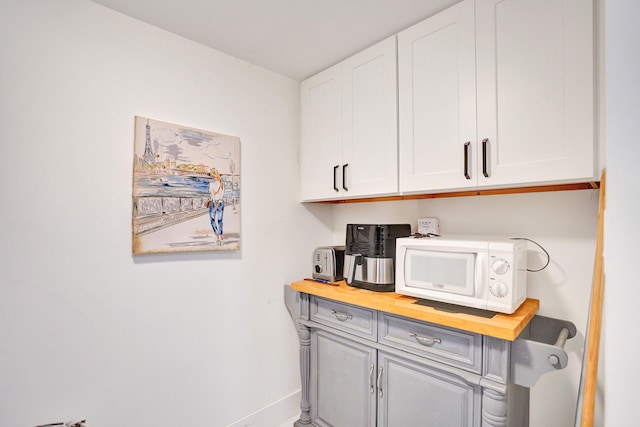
(488, 274)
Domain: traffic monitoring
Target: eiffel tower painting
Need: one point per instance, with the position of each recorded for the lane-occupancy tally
(149, 157)
(186, 189)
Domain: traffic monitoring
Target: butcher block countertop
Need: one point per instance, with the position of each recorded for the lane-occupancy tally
(503, 326)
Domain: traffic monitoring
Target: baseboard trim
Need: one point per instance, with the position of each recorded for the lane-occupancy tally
(272, 415)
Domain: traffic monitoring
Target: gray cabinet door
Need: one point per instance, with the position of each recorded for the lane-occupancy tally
(416, 395)
(342, 386)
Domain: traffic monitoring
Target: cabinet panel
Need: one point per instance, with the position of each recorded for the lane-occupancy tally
(415, 395)
(369, 156)
(436, 61)
(342, 382)
(535, 90)
(321, 121)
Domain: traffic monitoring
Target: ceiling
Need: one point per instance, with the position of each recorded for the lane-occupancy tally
(295, 38)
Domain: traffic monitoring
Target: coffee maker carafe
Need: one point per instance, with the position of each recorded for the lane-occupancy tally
(370, 255)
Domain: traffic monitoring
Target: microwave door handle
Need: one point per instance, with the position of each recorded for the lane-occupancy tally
(481, 276)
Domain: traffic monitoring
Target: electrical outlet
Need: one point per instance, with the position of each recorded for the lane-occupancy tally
(428, 226)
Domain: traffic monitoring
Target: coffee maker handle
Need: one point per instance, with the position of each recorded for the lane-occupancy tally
(351, 273)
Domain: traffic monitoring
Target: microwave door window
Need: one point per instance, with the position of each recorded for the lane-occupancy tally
(449, 272)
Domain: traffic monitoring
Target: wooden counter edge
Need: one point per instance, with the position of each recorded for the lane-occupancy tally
(503, 326)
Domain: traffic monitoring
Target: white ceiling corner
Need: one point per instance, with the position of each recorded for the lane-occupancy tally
(295, 38)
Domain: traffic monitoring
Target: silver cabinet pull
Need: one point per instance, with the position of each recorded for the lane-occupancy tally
(371, 369)
(379, 381)
(341, 316)
(428, 341)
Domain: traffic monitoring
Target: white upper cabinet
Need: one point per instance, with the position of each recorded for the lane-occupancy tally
(349, 127)
(321, 123)
(497, 93)
(370, 121)
(437, 101)
(535, 67)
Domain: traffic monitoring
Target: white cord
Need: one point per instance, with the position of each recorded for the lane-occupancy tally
(543, 250)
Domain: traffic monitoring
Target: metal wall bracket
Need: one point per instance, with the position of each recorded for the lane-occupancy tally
(541, 350)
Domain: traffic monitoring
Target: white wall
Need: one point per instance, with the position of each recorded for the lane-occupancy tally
(622, 291)
(88, 330)
(564, 223)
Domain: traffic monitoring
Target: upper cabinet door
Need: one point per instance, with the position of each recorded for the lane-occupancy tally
(370, 128)
(535, 69)
(437, 101)
(349, 127)
(321, 133)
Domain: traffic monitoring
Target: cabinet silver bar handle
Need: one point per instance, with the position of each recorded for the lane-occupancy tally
(485, 172)
(466, 159)
(379, 381)
(429, 341)
(344, 176)
(341, 316)
(371, 369)
(335, 171)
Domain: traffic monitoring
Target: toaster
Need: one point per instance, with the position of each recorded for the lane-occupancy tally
(328, 263)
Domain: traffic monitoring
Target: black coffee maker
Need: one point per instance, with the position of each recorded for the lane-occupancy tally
(370, 255)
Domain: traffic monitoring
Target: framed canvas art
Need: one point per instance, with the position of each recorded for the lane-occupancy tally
(186, 189)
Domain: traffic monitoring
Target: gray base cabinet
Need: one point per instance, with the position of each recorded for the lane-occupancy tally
(364, 367)
(415, 394)
(342, 374)
(353, 384)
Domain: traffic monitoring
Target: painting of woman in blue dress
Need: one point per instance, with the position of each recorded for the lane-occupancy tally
(216, 205)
